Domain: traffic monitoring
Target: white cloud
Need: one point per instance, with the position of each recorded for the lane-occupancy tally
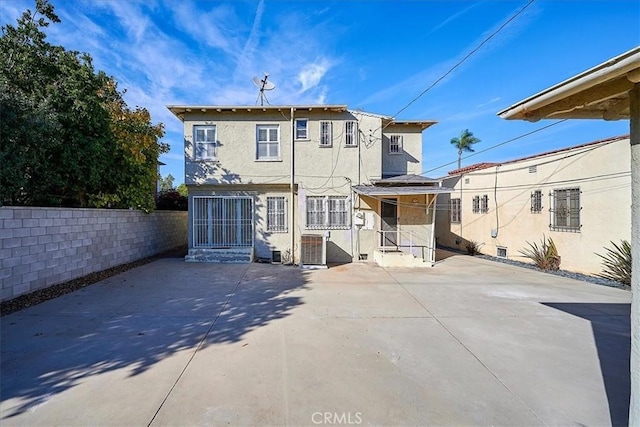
(311, 74)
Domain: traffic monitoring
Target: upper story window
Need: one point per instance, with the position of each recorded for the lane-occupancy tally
(536, 201)
(395, 144)
(351, 133)
(325, 134)
(204, 142)
(476, 205)
(268, 141)
(484, 204)
(565, 210)
(302, 128)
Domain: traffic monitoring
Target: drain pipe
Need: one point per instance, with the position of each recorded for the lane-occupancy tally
(291, 188)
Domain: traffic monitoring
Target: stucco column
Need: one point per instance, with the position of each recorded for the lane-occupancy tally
(634, 101)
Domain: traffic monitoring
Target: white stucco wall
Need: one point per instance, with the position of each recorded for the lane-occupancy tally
(600, 171)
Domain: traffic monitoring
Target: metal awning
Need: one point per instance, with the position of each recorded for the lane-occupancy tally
(372, 190)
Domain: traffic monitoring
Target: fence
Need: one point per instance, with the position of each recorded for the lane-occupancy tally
(40, 247)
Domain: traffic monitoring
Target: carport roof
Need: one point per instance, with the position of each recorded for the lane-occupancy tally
(372, 190)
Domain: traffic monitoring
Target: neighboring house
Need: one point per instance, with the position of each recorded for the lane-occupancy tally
(579, 196)
(274, 182)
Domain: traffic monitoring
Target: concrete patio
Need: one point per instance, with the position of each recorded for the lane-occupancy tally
(469, 342)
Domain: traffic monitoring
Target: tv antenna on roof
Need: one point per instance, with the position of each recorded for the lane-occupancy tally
(263, 85)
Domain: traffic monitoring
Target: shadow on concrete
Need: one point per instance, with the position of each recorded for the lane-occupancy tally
(612, 334)
(135, 320)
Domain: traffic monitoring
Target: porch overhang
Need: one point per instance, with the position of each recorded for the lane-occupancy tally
(372, 190)
(601, 92)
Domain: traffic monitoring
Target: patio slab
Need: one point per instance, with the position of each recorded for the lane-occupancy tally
(468, 342)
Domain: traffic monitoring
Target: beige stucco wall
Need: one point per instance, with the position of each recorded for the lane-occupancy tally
(600, 171)
(409, 160)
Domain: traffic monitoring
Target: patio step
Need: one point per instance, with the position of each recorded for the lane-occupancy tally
(398, 259)
(225, 255)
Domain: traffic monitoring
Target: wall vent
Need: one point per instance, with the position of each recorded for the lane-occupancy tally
(466, 180)
(501, 252)
(533, 169)
(313, 249)
(276, 257)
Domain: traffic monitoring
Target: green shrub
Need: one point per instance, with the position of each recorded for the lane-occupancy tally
(473, 247)
(616, 264)
(544, 256)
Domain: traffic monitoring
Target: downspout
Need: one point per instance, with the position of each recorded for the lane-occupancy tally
(291, 188)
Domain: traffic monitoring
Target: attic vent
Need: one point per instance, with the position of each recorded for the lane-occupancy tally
(312, 248)
(533, 169)
(466, 180)
(501, 252)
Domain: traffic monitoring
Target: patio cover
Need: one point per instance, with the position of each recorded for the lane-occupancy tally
(374, 190)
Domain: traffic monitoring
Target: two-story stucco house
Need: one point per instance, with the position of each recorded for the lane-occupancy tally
(306, 184)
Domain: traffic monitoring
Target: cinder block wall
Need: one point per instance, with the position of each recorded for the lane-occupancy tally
(40, 247)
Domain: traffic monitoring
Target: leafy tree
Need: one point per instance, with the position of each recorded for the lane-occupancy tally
(66, 135)
(182, 189)
(166, 184)
(464, 143)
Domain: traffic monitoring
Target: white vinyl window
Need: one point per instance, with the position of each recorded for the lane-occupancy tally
(204, 142)
(268, 142)
(351, 133)
(277, 214)
(328, 212)
(302, 126)
(325, 134)
(395, 144)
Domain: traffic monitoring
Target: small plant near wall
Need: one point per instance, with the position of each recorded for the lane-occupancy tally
(616, 264)
(544, 256)
(473, 247)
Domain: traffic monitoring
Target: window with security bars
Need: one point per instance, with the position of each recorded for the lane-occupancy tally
(277, 214)
(395, 144)
(222, 222)
(328, 212)
(325, 134)
(268, 141)
(536, 201)
(204, 142)
(455, 209)
(484, 204)
(476, 204)
(351, 133)
(565, 210)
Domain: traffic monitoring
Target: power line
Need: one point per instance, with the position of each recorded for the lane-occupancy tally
(485, 41)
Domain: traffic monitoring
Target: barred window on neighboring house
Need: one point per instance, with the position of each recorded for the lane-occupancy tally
(328, 212)
(395, 144)
(277, 214)
(456, 210)
(565, 210)
(484, 204)
(476, 205)
(536, 201)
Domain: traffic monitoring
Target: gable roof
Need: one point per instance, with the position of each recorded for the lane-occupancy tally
(479, 166)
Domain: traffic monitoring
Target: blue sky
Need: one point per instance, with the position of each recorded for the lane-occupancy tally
(371, 55)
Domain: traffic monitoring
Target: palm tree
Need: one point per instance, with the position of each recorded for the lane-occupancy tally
(464, 143)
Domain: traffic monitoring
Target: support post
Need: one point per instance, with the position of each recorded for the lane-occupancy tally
(634, 115)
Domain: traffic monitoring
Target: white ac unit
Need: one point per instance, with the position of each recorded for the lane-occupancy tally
(313, 249)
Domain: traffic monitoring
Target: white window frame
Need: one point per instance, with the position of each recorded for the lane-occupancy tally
(351, 133)
(222, 221)
(277, 214)
(395, 144)
(326, 137)
(455, 207)
(206, 146)
(566, 210)
(298, 131)
(328, 212)
(269, 143)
